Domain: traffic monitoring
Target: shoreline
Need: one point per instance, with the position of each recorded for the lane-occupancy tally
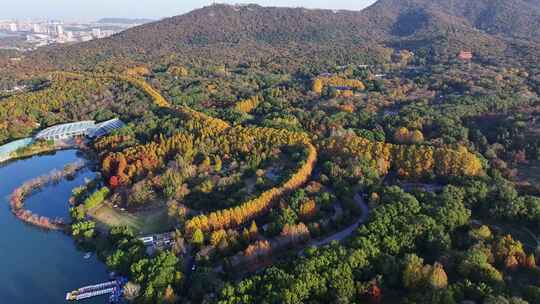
(35, 151)
(32, 186)
(47, 253)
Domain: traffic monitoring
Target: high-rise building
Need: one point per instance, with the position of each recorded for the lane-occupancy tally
(24, 27)
(69, 36)
(96, 33)
(39, 28)
(13, 27)
(59, 30)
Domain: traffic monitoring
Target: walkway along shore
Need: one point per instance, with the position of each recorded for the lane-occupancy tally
(29, 187)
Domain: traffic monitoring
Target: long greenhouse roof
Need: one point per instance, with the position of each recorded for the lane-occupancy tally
(106, 127)
(66, 129)
(87, 127)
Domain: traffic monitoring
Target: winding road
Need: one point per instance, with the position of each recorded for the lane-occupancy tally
(359, 200)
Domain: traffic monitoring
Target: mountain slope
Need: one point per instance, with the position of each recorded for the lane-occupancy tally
(509, 18)
(225, 33)
(495, 30)
(296, 37)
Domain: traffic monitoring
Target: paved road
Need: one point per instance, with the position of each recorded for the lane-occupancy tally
(359, 200)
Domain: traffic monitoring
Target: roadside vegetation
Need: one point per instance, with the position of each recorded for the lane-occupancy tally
(256, 175)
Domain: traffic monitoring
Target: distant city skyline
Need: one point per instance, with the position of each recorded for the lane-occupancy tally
(86, 10)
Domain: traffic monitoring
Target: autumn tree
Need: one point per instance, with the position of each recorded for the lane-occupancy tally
(413, 276)
(295, 233)
(247, 105)
(217, 236)
(530, 262)
(179, 71)
(197, 238)
(438, 278)
(416, 137)
(253, 230)
(374, 293)
(169, 296)
(179, 246)
(308, 209)
(317, 85)
(401, 135)
(511, 263)
(258, 250)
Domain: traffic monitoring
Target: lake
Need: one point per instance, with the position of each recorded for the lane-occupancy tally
(4, 35)
(40, 266)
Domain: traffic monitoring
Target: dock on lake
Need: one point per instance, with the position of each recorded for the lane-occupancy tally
(114, 288)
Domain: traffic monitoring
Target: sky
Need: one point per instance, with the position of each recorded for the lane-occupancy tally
(87, 10)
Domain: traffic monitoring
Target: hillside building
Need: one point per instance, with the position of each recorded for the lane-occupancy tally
(465, 56)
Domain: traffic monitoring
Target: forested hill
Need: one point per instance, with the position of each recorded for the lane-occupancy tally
(510, 19)
(226, 33)
(292, 37)
(222, 23)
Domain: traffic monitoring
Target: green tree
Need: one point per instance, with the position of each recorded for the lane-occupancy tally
(83, 230)
(77, 213)
(451, 211)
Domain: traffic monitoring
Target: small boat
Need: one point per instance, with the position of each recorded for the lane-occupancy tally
(87, 255)
(70, 296)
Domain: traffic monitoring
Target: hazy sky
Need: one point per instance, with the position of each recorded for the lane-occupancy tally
(94, 9)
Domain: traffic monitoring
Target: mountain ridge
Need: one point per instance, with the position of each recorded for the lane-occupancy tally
(235, 34)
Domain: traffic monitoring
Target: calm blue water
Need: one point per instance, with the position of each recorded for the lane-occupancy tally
(53, 201)
(39, 266)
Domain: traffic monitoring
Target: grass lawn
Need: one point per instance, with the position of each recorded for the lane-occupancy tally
(145, 222)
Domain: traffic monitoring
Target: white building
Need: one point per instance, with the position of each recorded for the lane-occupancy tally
(86, 37)
(13, 27)
(96, 33)
(107, 33)
(60, 30)
(39, 29)
(24, 26)
(69, 36)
